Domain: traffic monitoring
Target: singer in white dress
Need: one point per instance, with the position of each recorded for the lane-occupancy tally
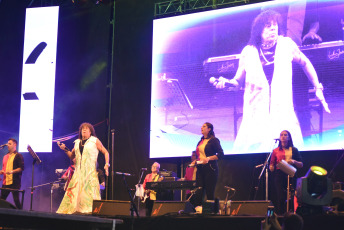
(265, 67)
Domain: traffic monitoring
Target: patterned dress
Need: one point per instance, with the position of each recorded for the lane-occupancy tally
(84, 185)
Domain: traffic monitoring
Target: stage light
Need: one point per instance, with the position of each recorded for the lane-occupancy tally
(313, 191)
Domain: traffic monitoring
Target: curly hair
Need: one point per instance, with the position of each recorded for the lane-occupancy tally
(259, 23)
(88, 125)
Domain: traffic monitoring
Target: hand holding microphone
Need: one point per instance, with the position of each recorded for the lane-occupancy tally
(222, 82)
(63, 146)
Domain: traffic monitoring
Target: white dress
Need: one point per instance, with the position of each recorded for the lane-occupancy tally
(84, 185)
(266, 112)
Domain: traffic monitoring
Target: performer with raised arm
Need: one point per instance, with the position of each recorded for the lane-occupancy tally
(265, 70)
(84, 185)
(287, 152)
(208, 150)
(12, 168)
(150, 195)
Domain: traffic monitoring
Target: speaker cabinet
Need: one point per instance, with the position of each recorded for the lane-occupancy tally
(111, 208)
(5, 204)
(249, 208)
(163, 207)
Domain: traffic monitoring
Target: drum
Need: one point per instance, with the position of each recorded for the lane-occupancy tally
(286, 168)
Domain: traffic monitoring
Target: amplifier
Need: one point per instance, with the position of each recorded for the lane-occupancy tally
(111, 208)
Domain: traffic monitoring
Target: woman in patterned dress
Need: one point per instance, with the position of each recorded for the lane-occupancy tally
(84, 185)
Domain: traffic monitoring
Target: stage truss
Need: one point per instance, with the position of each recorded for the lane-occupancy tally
(173, 7)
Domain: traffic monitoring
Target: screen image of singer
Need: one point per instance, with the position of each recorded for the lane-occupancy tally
(192, 51)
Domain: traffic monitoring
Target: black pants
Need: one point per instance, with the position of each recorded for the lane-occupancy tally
(206, 177)
(280, 186)
(5, 193)
(149, 206)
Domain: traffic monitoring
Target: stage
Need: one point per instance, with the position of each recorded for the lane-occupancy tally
(22, 219)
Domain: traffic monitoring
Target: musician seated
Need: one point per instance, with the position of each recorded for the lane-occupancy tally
(150, 195)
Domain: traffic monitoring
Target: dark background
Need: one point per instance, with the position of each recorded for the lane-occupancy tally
(82, 94)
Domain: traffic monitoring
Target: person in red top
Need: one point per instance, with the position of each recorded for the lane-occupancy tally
(150, 195)
(285, 151)
(12, 168)
(190, 172)
(209, 151)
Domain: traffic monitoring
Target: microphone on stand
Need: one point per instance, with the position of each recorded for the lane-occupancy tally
(122, 173)
(144, 169)
(229, 188)
(258, 166)
(2, 146)
(195, 190)
(277, 139)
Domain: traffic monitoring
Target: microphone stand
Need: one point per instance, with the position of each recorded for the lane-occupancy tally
(266, 175)
(133, 206)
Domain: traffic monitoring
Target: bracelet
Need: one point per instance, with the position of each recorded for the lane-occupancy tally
(108, 164)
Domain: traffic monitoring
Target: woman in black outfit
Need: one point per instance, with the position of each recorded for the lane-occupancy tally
(208, 152)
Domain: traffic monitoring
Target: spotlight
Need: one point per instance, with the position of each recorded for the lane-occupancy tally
(313, 191)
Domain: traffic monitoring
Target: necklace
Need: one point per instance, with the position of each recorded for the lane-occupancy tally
(269, 45)
(84, 143)
(266, 60)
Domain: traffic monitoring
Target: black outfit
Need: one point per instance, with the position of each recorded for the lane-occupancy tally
(207, 174)
(281, 183)
(18, 162)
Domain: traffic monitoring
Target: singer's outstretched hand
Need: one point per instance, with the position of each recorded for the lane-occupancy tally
(61, 145)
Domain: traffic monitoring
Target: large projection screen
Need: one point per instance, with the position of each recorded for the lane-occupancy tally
(38, 79)
(191, 50)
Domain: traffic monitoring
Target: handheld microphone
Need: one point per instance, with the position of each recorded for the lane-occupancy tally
(213, 80)
(59, 144)
(122, 173)
(1, 146)
(229, 188)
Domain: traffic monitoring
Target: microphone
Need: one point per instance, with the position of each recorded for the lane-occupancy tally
(1, 146)
(277, 139)
(229, 188)
(122, 173)
(213, 80)
(195, 190)
(258, 166)
(65, 149)
(144, 169)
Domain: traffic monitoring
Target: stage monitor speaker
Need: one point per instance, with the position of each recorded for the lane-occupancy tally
(164, 207)
(249, 208)
(111, 208)
(5, 204)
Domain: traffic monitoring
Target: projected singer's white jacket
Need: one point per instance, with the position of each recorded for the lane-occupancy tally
(267, 110)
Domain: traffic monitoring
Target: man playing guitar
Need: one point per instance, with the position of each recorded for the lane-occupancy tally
(150, 195)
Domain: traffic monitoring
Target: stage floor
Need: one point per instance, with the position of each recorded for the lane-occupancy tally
(21, 219)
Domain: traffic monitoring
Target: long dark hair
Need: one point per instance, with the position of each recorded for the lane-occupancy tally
(290, 141)
(88, 125)
(259, 23)
(211, 133)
